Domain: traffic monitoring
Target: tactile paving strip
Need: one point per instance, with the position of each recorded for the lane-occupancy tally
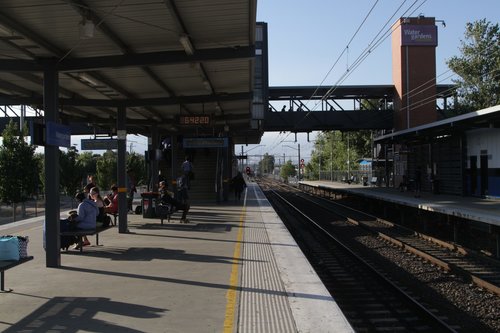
(263, 300)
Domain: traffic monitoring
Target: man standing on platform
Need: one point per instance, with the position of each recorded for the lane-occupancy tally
(187, 170)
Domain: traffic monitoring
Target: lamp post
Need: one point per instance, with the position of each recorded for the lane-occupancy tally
(246, 152)
(348, 159)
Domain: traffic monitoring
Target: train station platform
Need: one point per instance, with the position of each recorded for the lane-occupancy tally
(233, 268)
(470, 208)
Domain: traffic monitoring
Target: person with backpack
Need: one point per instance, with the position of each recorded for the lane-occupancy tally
(166, 198)
(182, 188)
(187, 170)
(238, 183)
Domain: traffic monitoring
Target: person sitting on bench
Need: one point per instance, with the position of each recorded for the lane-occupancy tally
(166, 198)
(112, 199)
(87, 212)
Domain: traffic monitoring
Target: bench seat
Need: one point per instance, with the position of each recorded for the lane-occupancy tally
(7, 264)
(164, 211)
(85, 232)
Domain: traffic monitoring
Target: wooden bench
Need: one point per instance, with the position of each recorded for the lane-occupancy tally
(79, 233)
(7, 264)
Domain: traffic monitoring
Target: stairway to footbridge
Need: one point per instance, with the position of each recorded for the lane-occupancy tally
(347, 108)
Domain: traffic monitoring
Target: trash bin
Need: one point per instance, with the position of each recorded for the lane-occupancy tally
(149, 204)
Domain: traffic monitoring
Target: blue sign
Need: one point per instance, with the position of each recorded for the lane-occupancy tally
(205, 142)
(57, 134)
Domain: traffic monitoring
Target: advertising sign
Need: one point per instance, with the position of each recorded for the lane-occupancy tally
(418, 35)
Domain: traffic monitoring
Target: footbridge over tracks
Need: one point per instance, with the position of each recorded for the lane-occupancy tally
(305, 108)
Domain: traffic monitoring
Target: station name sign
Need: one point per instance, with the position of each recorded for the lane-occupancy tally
(418, 35)
(99, 144)
(194, 120)
(57, 134)
(205, 142)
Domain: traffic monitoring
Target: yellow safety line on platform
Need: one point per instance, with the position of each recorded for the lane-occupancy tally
(231, 295)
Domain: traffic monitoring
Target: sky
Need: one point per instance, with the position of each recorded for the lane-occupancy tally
(307, 38)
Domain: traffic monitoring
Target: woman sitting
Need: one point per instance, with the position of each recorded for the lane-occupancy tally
(86, 217)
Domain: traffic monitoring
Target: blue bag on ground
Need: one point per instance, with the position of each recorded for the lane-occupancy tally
(9, 248)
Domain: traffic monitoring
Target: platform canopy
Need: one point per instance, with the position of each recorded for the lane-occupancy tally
(161, 59)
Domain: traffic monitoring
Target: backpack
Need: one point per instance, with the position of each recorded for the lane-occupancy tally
(180, 183)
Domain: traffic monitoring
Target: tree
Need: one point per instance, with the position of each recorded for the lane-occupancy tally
(70, 171)
(87, 165)
(17, 166)
(136, 163)
(40, 176)
(266, 165)
(287, 170)
(478, 67)
(333, 149)
(106, 170)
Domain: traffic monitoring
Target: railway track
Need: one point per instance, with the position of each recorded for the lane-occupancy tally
(448, 257)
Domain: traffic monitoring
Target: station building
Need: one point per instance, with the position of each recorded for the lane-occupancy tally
(457, 155)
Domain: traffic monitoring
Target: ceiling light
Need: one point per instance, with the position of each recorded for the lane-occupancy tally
(207, 85)
(87, 79)
(186, 44)
(5, 31)
(87, 28)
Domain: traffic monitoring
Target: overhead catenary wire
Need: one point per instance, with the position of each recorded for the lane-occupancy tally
(364, 54)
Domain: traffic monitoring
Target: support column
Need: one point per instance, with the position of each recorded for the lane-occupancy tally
(226, 173)
(52, 199)
(121, 167)
(174, 172)
(154, 161)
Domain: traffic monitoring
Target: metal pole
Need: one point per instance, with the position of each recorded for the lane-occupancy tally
(241, 159)
(331, 162)
(299, 159)
(319, 162)
(407, 90)
(121, 166)
(348, 161)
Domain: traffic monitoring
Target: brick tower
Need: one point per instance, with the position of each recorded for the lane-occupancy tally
(414, 41)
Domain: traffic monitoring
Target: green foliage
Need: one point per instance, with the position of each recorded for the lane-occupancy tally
(70, 172)
(288, 170)
(478, 67)
(40, 177)
(333, 149)
(87, 165)
(136, 163)
(266, 165)
(18, 167)
(106, 170)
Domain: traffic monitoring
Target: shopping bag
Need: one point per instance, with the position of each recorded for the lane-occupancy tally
(9, 248)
